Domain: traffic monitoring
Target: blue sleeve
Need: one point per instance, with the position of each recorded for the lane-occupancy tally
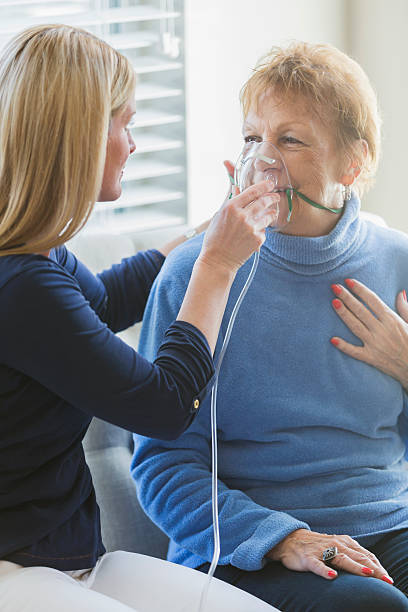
(51, 333)
(174, 480)
(119, 294)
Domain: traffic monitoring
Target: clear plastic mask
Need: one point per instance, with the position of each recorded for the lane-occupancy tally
(260, 161)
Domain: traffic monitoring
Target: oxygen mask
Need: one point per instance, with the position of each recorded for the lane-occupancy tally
(262, 161)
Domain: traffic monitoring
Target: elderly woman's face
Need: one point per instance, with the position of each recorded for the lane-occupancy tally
(306, 142)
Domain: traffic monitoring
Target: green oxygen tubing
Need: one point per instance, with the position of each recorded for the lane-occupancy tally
(289, 194)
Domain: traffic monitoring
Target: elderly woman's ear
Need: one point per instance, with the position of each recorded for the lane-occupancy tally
(355, 163)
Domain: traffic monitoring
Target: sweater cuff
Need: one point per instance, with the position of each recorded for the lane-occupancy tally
(191, 362)
(251, 554)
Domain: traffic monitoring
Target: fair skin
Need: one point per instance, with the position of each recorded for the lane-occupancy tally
(119, 147)
(383, 333)
(308, 146)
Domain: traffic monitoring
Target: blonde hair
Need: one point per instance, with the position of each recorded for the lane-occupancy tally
(336, 84)
(59, 88)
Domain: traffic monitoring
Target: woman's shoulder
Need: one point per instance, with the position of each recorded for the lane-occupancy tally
(30, 270)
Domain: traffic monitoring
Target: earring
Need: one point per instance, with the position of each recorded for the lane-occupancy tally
(346, 193)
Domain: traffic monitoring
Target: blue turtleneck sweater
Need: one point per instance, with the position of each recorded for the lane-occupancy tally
(308, 437)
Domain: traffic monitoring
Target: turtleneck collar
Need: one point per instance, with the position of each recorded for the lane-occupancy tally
(320, 254)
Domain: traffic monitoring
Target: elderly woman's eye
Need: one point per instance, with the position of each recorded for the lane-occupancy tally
(252, 138)
(291, 140)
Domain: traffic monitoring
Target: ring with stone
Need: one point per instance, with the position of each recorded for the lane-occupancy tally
(329, 554)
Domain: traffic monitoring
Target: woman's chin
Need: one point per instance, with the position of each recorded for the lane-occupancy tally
(110, 195)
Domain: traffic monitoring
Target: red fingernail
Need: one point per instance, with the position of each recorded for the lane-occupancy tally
(336, 289)
(367, 571)
(331, 573)
(350, 283)
(404, 295)
(336, 304)
(387, 579)
(334, 341)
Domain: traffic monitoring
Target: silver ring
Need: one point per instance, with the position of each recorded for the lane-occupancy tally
(329, 554)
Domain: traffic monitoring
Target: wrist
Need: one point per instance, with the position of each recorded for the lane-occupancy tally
(216, 271)
(276, 553)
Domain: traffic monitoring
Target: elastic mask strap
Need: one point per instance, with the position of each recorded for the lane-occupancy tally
(336, 211)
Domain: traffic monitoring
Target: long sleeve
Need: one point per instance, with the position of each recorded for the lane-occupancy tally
(51, 334)
(119, 294)
(174, 480)
(174, 488)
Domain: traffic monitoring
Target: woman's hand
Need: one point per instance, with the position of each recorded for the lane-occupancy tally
(383, 333)
(238, 228)
(302, 551)
(234, 233)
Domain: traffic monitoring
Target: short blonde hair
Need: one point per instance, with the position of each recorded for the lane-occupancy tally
(332, 81)
(59, 88)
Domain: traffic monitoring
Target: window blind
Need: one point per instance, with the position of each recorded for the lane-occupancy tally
(151, 34)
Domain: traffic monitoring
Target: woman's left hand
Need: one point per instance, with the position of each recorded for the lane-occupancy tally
(383, 332)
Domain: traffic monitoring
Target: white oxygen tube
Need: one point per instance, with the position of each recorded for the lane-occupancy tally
(214, 474)
(257, 161)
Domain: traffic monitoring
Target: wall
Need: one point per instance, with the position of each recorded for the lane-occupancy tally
(224, 39)
(378, 40)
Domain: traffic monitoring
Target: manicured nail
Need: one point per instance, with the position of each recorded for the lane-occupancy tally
(331, 573)
(334, 341)
(404, 295)
(367, 571)
(387, 579)
(336, 289)
(336, 304)
(350, 283)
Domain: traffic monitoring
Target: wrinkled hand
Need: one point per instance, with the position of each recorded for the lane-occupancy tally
(383, 333)
(238, 228)
(302, 551)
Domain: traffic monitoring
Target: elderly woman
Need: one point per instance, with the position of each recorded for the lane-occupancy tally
(313, 487)
(66, 103)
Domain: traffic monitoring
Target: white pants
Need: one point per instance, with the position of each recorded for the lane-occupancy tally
(120, 582)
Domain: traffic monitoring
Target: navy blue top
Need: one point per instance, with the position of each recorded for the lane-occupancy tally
(61, 364)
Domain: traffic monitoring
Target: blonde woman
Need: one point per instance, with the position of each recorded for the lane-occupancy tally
(313, 485)
(66, 101)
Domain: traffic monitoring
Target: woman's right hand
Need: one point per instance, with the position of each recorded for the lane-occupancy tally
(238, 228)
(234, 233)
(302, 551)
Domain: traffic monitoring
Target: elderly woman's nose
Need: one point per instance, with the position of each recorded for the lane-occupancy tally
(265, 162)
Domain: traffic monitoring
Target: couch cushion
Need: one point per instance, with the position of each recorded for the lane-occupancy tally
(125, 526)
